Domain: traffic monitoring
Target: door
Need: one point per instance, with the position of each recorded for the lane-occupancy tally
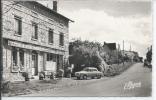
(34, 64)
(59, 62)
(51, 62)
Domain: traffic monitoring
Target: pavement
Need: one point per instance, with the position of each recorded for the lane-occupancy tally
(134, 82)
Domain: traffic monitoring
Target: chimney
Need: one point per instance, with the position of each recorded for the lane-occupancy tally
(105, 43)
(55, 6)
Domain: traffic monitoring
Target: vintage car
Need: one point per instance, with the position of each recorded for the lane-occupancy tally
(88, 72)
(147, 64)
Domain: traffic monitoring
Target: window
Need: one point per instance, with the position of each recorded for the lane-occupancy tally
(51, 36)
(21, 55)
(21, 58)
(18, 25)
(14, 56)
(14, 60)
(17, 64)
(34, 31)
(50, 57)
(61, 39)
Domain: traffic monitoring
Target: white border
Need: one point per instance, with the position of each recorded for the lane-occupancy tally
(109, 98)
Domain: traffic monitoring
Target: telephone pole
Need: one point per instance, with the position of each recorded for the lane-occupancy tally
(123, 52)
(1, 49)
(118, 51)
(130, 48)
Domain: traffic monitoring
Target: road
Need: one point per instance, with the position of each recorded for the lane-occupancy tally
(139, 76)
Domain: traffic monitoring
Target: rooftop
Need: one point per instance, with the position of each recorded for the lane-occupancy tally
(111, 46)
(46, 8)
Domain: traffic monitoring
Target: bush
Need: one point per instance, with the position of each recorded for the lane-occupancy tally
(5, 87)
(60, 73)
(41, 75)
(26, 76)
(53, 75)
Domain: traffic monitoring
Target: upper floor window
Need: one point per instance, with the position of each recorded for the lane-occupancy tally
(61, 39)
(50, 36)
(34, 30)
(18, 25)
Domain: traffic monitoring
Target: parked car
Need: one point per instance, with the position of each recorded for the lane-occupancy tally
(147, 64)
(88, 72)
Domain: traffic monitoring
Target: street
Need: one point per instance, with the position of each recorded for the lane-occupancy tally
(136, 81)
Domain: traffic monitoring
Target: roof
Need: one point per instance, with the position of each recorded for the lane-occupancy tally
(111, 46)
(48, 9)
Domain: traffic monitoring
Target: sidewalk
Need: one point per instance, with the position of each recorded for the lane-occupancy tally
(36, 86)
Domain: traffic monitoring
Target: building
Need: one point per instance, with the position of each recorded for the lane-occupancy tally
(111, 52)
(35, 39)
(131, 55)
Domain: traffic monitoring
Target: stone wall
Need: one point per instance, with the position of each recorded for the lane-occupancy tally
(44, 23)
(58, 24)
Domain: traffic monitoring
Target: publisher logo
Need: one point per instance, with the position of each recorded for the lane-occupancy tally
(131, 85)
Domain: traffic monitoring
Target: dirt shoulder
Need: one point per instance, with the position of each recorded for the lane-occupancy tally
(35, 86)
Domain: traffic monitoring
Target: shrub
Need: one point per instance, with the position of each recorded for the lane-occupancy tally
(5, 87)
(41, 75)
(60, 73)
(26, 76)
(52, 76)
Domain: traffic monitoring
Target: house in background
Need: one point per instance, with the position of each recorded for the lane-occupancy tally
(111, 52)
(35, 39)
(131, 55)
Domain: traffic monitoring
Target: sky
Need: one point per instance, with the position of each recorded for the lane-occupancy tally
(109, 21)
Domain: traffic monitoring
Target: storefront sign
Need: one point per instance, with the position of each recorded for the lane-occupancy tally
(35, 47)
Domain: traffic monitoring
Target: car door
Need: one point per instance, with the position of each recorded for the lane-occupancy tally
(92, 74)
(88, 72)
(95, 72)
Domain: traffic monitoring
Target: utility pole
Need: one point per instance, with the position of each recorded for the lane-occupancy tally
(123, 52)
(118, 52)
(123, 45)
(1, 49)
(130, 48)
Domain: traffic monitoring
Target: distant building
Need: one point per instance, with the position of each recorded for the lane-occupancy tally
(132, 55)
(35, 39)
(111, 52)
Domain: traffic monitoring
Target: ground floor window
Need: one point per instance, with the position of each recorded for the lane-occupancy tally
(17, 59)
(60, 61)
(51, 57)
(21, 59)
(14, 56)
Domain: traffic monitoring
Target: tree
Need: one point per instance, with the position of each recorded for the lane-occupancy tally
(84, 54)
(149, 55)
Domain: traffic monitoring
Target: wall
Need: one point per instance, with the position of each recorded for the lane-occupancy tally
(44, 23)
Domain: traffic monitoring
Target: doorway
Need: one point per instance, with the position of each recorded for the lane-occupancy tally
(34, 63)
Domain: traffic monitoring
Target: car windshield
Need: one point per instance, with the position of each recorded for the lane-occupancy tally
(94, 69)
(90, 70)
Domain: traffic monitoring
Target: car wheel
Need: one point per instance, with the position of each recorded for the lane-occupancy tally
(85, 77)
(99, 76)
(81, 77)
(78, 78)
